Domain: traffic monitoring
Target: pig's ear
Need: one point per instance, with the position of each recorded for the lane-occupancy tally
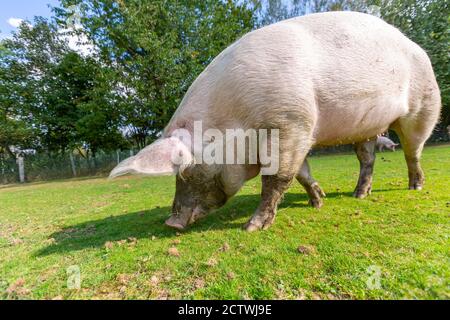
(163, 157)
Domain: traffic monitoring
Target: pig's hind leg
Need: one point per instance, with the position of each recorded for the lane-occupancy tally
(311, 186)
(365, 152)
(414, 130)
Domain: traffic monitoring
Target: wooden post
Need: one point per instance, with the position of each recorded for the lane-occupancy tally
(21, 164)
(118, 156)
(3, 170)
(72, 164)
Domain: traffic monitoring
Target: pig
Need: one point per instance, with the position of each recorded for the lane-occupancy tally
(321, 80)
(384, 142)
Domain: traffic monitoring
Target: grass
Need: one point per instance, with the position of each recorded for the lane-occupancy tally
(394, 244)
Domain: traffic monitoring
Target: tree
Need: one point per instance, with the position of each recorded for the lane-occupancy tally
(154, 50)
(14, 130)
(271, 11)
(65, 98)
(32, 53)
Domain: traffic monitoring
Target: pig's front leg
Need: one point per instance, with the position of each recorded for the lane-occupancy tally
(292, 153)
(365, 152)
(311, 186)
(273, 188)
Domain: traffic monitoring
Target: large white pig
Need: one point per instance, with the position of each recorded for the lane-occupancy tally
(321, 79)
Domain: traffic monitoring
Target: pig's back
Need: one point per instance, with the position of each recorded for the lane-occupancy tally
(345, 74)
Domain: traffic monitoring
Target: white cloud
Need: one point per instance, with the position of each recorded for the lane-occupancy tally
(79, 43)
(15, 22)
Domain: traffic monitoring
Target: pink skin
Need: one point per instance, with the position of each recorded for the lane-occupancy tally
(187, 217)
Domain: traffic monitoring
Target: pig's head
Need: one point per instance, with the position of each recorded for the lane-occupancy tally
(199, 190)
(199, 187)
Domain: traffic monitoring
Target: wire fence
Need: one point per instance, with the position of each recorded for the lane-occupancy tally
(42, 167)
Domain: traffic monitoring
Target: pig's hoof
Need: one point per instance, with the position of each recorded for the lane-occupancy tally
(360, 194)
(316, 203)
(172, 224)
(318, 190)
(259, 223)
(250, 227)
(415, 187)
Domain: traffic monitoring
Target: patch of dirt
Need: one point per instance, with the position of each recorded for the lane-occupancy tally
(231, 275)
(124, 278)
(99, 204)
(15, 241)
(109, 245)
(212, 262)
(173, 252)
(225, 247)
(199, 283)
(131, 242)
(50, 241)
(306, 249)
(154, 281)
(17, 290)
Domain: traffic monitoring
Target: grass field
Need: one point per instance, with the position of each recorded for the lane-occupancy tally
(394, 244)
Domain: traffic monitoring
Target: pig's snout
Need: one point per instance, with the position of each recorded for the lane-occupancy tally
(181, 220)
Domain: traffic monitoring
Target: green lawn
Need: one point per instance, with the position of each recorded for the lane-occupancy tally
(394, 244)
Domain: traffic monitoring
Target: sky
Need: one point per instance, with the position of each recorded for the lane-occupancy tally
(11, 11)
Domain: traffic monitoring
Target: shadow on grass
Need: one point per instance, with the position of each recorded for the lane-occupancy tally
(145, 224)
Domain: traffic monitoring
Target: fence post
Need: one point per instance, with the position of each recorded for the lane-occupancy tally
(118, 156)
(20, 163)
(131, 153)
(72, 164)
(3, 170)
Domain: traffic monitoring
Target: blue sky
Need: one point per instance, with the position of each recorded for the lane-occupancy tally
(22, 9)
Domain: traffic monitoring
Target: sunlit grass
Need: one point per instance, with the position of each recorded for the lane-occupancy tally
(394, 244)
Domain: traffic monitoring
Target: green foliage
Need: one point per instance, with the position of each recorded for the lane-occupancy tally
(155, 50)
(271, 11)
(46, 86)
(14, 131)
